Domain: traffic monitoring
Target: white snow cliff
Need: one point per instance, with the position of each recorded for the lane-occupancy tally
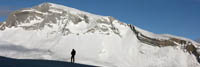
(50, 31)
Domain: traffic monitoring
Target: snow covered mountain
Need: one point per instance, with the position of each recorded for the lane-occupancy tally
(50, 31)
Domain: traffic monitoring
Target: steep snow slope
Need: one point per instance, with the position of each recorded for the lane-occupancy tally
(50, 31)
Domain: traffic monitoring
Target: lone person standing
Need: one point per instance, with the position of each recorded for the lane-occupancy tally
(73, 53)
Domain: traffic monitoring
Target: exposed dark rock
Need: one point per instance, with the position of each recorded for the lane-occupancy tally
(178, 40)
(2, 26)
(171, 42)
(75, 19)
(91, 30)
(86, 18)
(156, 42)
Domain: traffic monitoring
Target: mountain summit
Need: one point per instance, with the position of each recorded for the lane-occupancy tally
(50, 31)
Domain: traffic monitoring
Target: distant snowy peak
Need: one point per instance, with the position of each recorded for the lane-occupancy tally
(42, 12)
(62, 19)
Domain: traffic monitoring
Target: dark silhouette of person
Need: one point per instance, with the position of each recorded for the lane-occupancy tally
(73, 53)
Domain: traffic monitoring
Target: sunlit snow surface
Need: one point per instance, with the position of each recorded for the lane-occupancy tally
(122, 50)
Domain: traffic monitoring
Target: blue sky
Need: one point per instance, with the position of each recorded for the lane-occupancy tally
(176, 17)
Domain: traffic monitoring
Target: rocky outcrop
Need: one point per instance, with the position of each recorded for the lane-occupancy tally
(2, 25)
(151, 41)
(186, 45)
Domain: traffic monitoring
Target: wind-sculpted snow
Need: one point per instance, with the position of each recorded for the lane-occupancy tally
(50, 31)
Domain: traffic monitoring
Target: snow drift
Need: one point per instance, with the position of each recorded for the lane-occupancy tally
(50, 31)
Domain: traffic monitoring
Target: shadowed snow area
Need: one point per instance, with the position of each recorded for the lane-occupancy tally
(18, 51)
(9, 62)
(17, 48)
